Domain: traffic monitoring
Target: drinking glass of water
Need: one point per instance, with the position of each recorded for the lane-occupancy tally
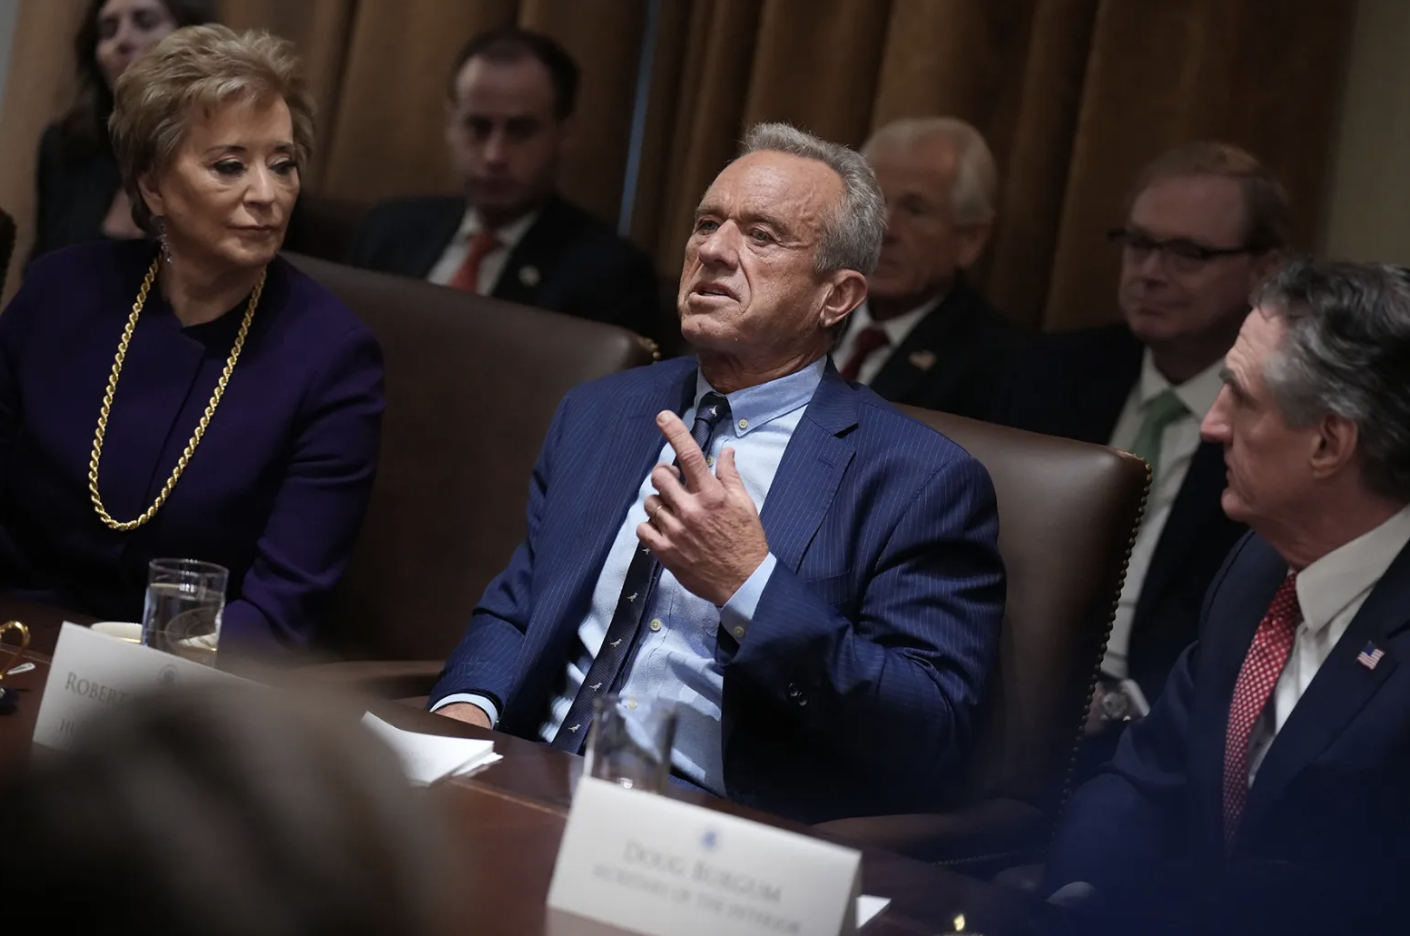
(630, 742)
(185, 600)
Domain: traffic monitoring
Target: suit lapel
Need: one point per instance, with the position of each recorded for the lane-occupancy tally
(442, 221)
(812, 467)
(613, 486)
(1339, 691)
(926, 350)
(1089, 413)
(536, 254)
(1195, 505)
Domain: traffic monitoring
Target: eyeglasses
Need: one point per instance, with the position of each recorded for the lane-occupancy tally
(1178, 253)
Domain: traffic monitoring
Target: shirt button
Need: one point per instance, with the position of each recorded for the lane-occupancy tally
(631, 703)
(739, 633)
(710, 461)
(655, 624)
(744, 424)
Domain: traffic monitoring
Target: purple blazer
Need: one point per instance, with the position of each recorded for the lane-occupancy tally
(277, 489)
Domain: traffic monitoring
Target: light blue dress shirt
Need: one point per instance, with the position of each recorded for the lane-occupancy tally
(675, 655)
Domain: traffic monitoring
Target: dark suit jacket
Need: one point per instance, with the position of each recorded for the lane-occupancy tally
(856, 688)
(73, 193)
(277, 488)
(1075, 385)
(955, 359)
(1325, 838)
(584, 268)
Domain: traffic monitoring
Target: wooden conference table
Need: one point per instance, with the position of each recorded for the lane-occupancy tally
(511, 817)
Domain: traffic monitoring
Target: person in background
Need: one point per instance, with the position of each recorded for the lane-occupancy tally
(1265, 792)
(510, 235)
(1205, 223)
(79, 192)
(925, 336)
(817, 581)
(229, 812)
(190, 394)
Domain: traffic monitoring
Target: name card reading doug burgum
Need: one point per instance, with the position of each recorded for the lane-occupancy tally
(666, 868)
(92, 672)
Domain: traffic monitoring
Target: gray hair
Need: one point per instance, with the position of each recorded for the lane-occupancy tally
(974, 194)
(851, 237)
(1346, 351)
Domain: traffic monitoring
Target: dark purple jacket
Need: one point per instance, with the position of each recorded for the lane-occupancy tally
(277, 489)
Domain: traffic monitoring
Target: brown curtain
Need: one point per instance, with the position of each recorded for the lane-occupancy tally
(1073, 95)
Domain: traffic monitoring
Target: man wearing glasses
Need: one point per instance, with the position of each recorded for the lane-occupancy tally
(1205, 223)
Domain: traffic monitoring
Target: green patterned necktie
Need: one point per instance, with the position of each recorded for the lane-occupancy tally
(1162, 409)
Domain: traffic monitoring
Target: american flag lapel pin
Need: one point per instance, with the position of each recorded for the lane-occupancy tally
(1370, 655)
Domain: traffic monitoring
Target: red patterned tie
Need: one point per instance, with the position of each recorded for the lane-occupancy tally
(869, 340)
(1267, 655)
(467, 276)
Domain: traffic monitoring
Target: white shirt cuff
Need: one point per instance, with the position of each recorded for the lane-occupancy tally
(473, 698)
(738, 613)
(1072, 895)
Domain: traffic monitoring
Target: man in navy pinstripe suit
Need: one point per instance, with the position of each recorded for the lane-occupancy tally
(815, 582)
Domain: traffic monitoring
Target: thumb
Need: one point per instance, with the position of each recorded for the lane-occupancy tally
(727, 473)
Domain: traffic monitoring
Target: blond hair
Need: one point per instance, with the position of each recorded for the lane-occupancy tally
(200, 68)
(1267, 213)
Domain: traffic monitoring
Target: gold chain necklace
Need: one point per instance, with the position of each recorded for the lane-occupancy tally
(200, 428)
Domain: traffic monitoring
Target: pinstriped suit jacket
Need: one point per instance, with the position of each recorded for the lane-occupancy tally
(857, 687)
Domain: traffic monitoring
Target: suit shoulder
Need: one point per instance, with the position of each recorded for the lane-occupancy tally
(412, 211)
(1083, 344)
(318, 309)
(647, 380)
(589, 232)
(887, 429)
(88, 265)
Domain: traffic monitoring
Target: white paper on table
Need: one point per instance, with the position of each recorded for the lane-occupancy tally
(868, 907)
(428, 758)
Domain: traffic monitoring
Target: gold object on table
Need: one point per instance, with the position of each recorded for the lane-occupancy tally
(15, 651)
(125, 525)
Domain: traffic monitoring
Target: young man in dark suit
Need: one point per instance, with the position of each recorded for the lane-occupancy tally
(925, 336)
(1205, 224)
(511, 235)
(1265, 793)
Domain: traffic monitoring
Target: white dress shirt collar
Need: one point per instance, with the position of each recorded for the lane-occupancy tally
(899, 327)
(1198, 393)
(759, 405)
(508, 236)
(1346, 573)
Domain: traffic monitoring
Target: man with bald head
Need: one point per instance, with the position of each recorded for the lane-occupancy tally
(925, 336)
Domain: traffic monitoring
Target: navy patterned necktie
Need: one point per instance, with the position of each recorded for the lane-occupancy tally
(642, 574)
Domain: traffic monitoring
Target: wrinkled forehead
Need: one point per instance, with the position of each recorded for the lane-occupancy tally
(792, 188)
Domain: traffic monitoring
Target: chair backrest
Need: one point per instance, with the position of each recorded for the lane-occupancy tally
(1068, 514)
(324, 227)
(472, 385)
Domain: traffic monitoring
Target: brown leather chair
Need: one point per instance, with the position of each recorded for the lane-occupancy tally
(1068, 514)
(472, 385)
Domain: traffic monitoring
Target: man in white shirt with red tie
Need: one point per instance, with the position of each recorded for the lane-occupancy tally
(1266, 790)
(509, 233)
(926, 336)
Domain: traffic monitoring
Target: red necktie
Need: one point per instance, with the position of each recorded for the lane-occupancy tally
(467, 277)
(1267, 655)
(869, 340)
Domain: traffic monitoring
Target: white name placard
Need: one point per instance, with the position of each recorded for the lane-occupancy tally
(666, 868)
(93, 672)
